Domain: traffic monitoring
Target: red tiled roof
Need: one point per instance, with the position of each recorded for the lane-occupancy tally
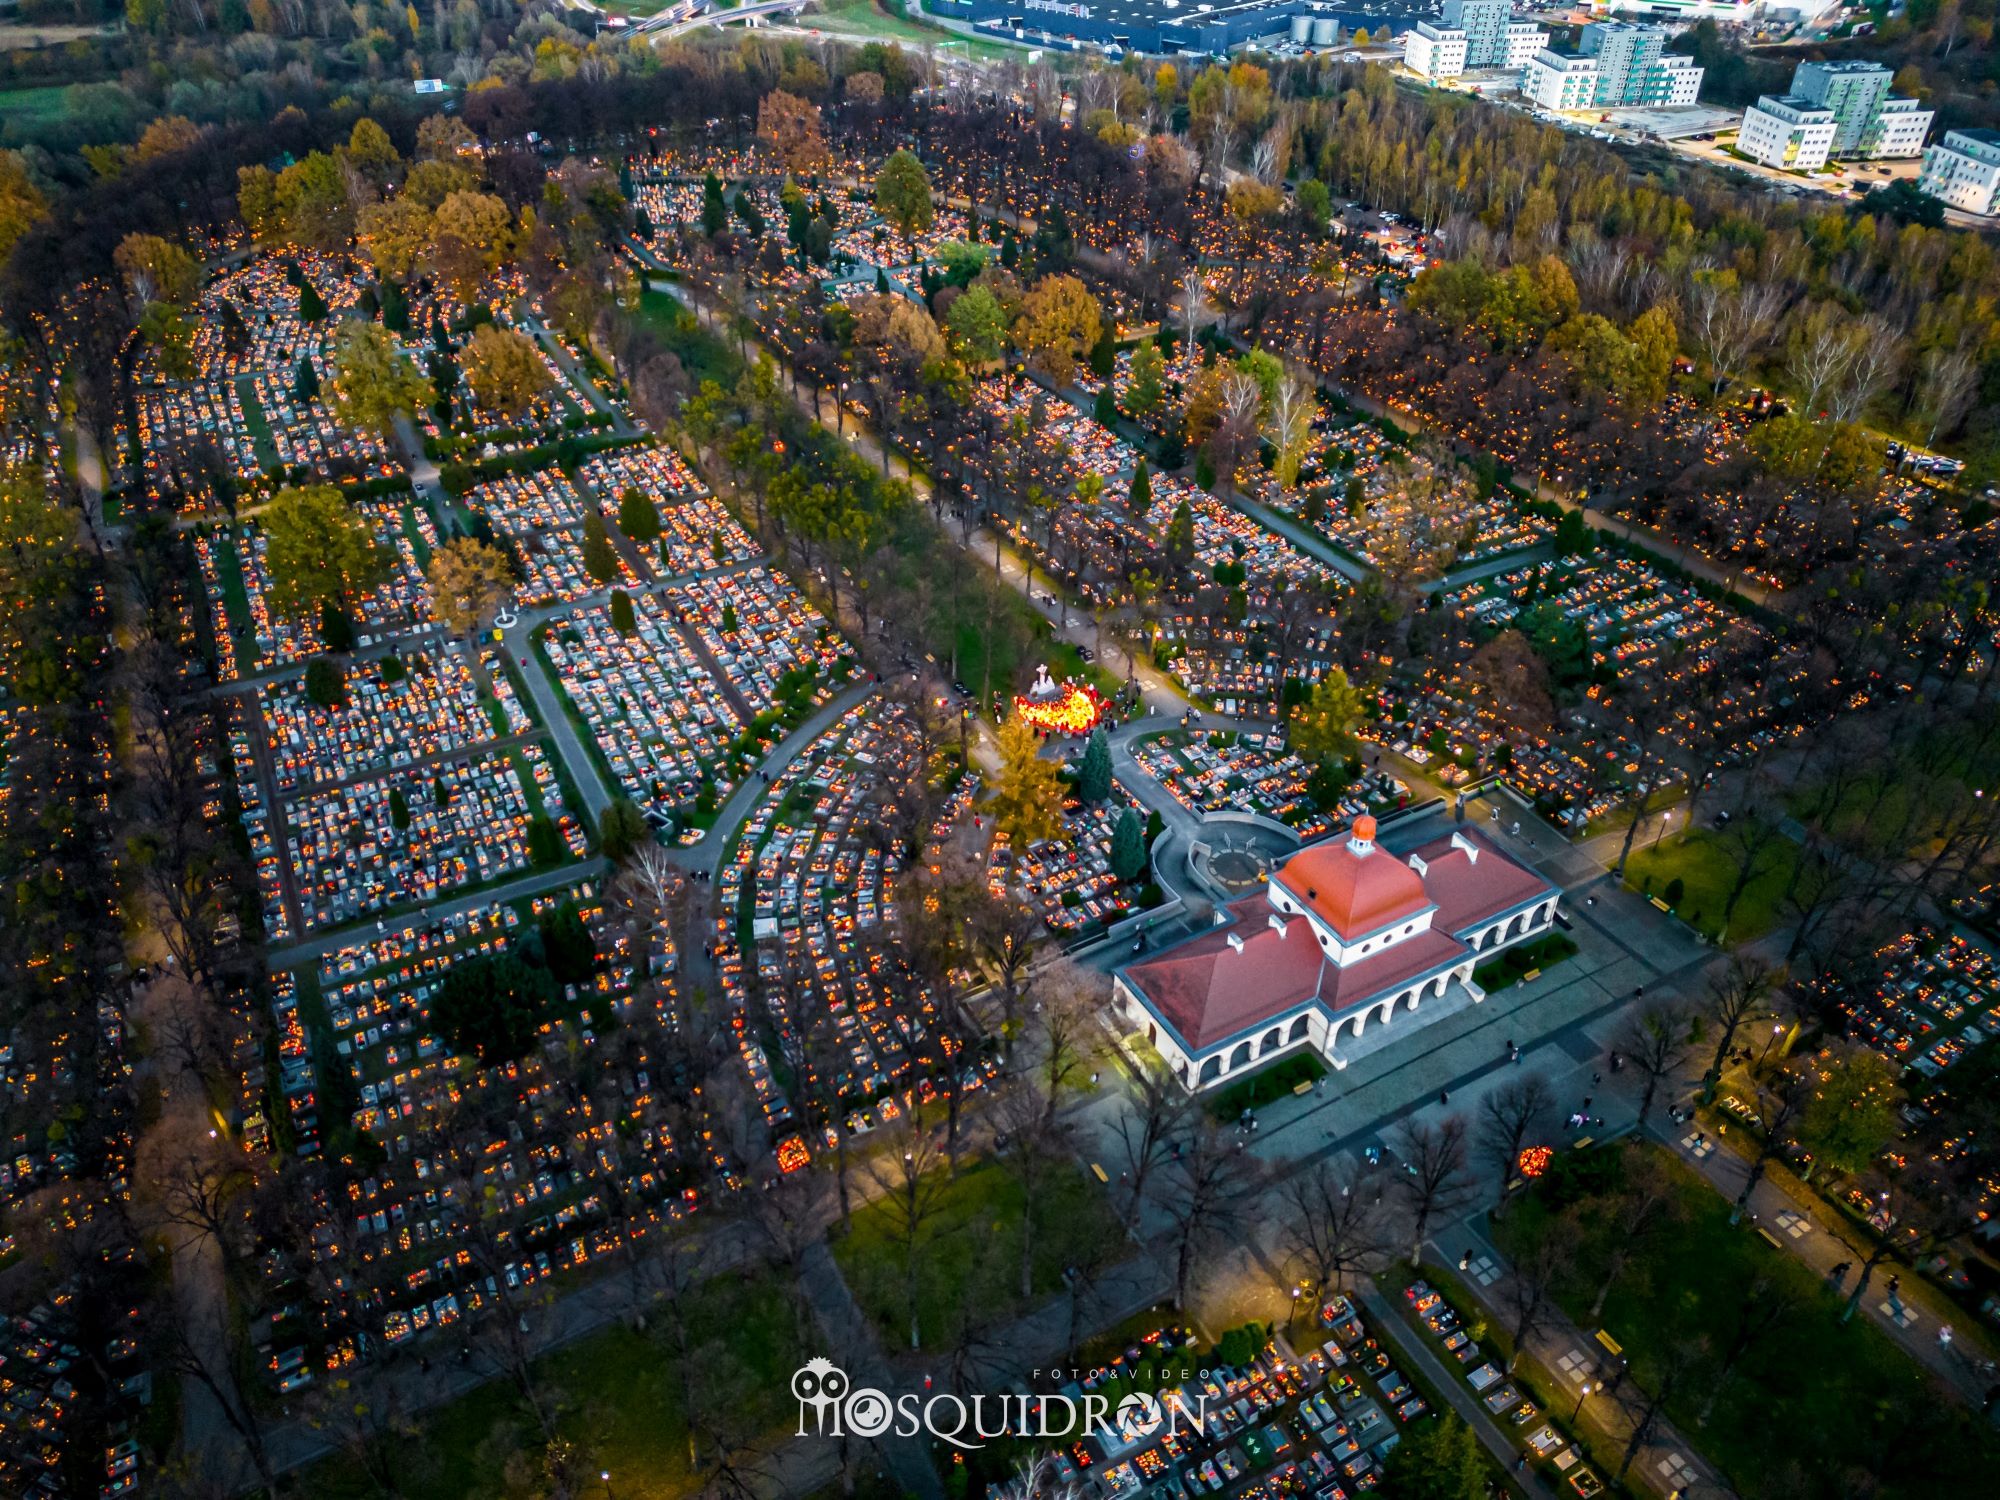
(1208, 991)
(1355, 894)
(1468, 893)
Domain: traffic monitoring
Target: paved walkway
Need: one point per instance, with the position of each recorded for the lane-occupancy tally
(1414, 1350)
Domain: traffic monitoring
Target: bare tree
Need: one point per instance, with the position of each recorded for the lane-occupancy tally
(1656, 1040)
(1729, 324)
(1738, 996)
(1871, 371)
(1678, 1365)
(1208, 1192)
(1947, 382)
(363, 1415)
(1333, 1224)
(1645, 1202)
(1527, 1295)
(1004, 932)
(1193, 305)
(790, 1218)
(911, 1178)
(1151, 1120)
(1063, 1039)
(1825, 343)
(1763, 1307)
(1509, 1118)
(1434, 1183)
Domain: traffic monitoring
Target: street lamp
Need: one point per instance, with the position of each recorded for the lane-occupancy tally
(1665, 818)
(604, 1475)
(1777, 1030)
(1579, 1403)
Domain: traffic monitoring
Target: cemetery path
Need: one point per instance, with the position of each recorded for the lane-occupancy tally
(714, 847)
(552, 710)
(846, 1328)
(533, 884)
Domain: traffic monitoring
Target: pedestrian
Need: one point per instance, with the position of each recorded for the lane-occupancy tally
(1586, 1104)
(1944, 1337)
(1596, 1079)
(1465, 1261)
(1444, 1096)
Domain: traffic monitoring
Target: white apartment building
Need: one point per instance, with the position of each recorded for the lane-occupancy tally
(1434, 52)
(1471, 34)
(1868, 119)
(1484, 23)
(1555, 80)
(1521, 41)
(1621, 66)
(1789, 133)
(1898, 129)
(1963, 170)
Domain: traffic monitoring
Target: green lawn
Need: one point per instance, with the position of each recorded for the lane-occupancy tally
(1516, 963)
(867, 21)
(1705, 864)
(1275, 1082)
(262, 441)
(619, 1395)
(1813, 1404)
(236, 602)
(969, 1257)
(701, 353)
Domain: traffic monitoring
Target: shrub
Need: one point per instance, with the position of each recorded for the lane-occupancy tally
(326, 685)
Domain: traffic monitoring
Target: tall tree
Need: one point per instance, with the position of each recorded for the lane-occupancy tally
(1028, 790)
(468, 581)
(505, 370)
(1434, 1183)
(319, 552)
(374, 382)
(1510, 1118)
(903, 194)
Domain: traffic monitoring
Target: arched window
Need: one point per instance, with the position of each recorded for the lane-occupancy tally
(1273, 1039)
(1211, 1070)
(1298, 1030)
(1240, 1056)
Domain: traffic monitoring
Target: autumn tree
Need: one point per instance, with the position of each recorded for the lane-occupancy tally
(504, 369)
(374, 382)
(472, 238)
(468, 581)
(320, 553)
(395, 235)
(789, 127)
(1028, 792)
(1059, 322)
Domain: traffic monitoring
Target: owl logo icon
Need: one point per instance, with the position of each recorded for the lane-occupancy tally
(821, 1385)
